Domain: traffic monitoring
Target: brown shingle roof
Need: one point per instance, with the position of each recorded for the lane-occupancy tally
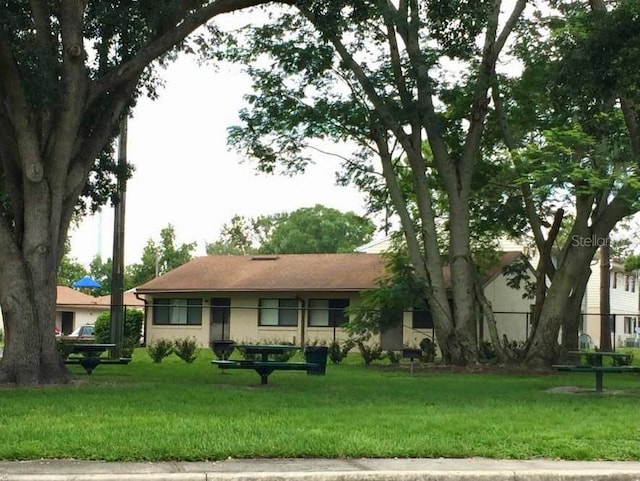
(299, 272)
(285, 272)
(66, 296)
(129, 299)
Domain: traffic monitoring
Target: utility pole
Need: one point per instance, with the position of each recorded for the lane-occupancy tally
(117, 267)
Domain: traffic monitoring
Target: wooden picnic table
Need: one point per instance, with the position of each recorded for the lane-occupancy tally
(594, 362)
(265, 366)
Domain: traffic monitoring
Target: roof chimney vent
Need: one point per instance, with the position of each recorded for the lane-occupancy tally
(264, 258)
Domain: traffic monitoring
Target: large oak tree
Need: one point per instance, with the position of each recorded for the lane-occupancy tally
(417, 73)
(69, 71)
(569, 123)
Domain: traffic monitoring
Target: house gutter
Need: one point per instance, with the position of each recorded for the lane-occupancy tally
(146, 312)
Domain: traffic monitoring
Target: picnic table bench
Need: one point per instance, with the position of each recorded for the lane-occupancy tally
(265, 366)
(88, 356)
(594, 363)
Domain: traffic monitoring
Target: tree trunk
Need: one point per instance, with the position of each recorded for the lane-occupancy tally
(31, 355)
(464, 346)
(426, 260)
(571, 325)
(568, 283)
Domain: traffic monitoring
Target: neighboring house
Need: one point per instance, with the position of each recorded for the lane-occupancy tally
(624, 301)
(624, 296)
(295, 298)
(75, 308)
(376, 246)
(129, 299)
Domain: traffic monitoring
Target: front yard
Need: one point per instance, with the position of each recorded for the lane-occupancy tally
(179, 411)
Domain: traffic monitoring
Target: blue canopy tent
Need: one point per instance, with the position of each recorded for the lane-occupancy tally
(87, 282)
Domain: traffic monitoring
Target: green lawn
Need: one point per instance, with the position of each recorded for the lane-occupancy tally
(176, 411)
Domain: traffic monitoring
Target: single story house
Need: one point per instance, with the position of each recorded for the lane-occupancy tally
(75, 308)
(295, 298)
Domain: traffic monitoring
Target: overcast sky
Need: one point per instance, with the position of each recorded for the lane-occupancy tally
(188, 177)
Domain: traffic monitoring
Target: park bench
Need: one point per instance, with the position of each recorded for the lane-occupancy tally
(265, 368)
(595, 365)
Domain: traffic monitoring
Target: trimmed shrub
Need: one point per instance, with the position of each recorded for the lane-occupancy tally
(486, 352)
(429, 350)
(338, 352)
(369, 352)
(160, 349)
(393, 356)
(186, 348)
(132, 329)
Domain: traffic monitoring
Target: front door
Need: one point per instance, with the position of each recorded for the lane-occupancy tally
(220, 317)
(67, 322)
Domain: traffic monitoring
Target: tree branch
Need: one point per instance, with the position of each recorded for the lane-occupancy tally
(18, 109)
(42, 22)
(74, 82)
(394, 53)
(132, 68)
(491, 50)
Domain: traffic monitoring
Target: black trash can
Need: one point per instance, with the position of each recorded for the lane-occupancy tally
(222, 348)
(316, 355)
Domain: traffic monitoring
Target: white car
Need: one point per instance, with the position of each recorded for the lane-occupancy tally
(83, 332)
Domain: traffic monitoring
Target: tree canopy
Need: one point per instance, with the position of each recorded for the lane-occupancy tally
(159, 257)
(316, 229)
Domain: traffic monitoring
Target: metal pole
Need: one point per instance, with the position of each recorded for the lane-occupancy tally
(117, 266)
(605, 299)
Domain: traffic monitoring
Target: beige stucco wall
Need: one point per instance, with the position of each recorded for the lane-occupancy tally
(81, 315)
(411, 337)
(244, 320)
(509, 307)
(510, 312)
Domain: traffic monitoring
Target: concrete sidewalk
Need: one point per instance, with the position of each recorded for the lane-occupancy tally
(475, 469)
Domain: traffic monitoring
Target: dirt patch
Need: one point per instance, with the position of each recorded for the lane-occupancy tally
(582, 390)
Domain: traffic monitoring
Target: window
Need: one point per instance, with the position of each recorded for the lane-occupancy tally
(628, 325)
(177, 312)
(422, 319)
(278, 312)
(633, 284)
(328, 312)
(627, 283)
(614, 280)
